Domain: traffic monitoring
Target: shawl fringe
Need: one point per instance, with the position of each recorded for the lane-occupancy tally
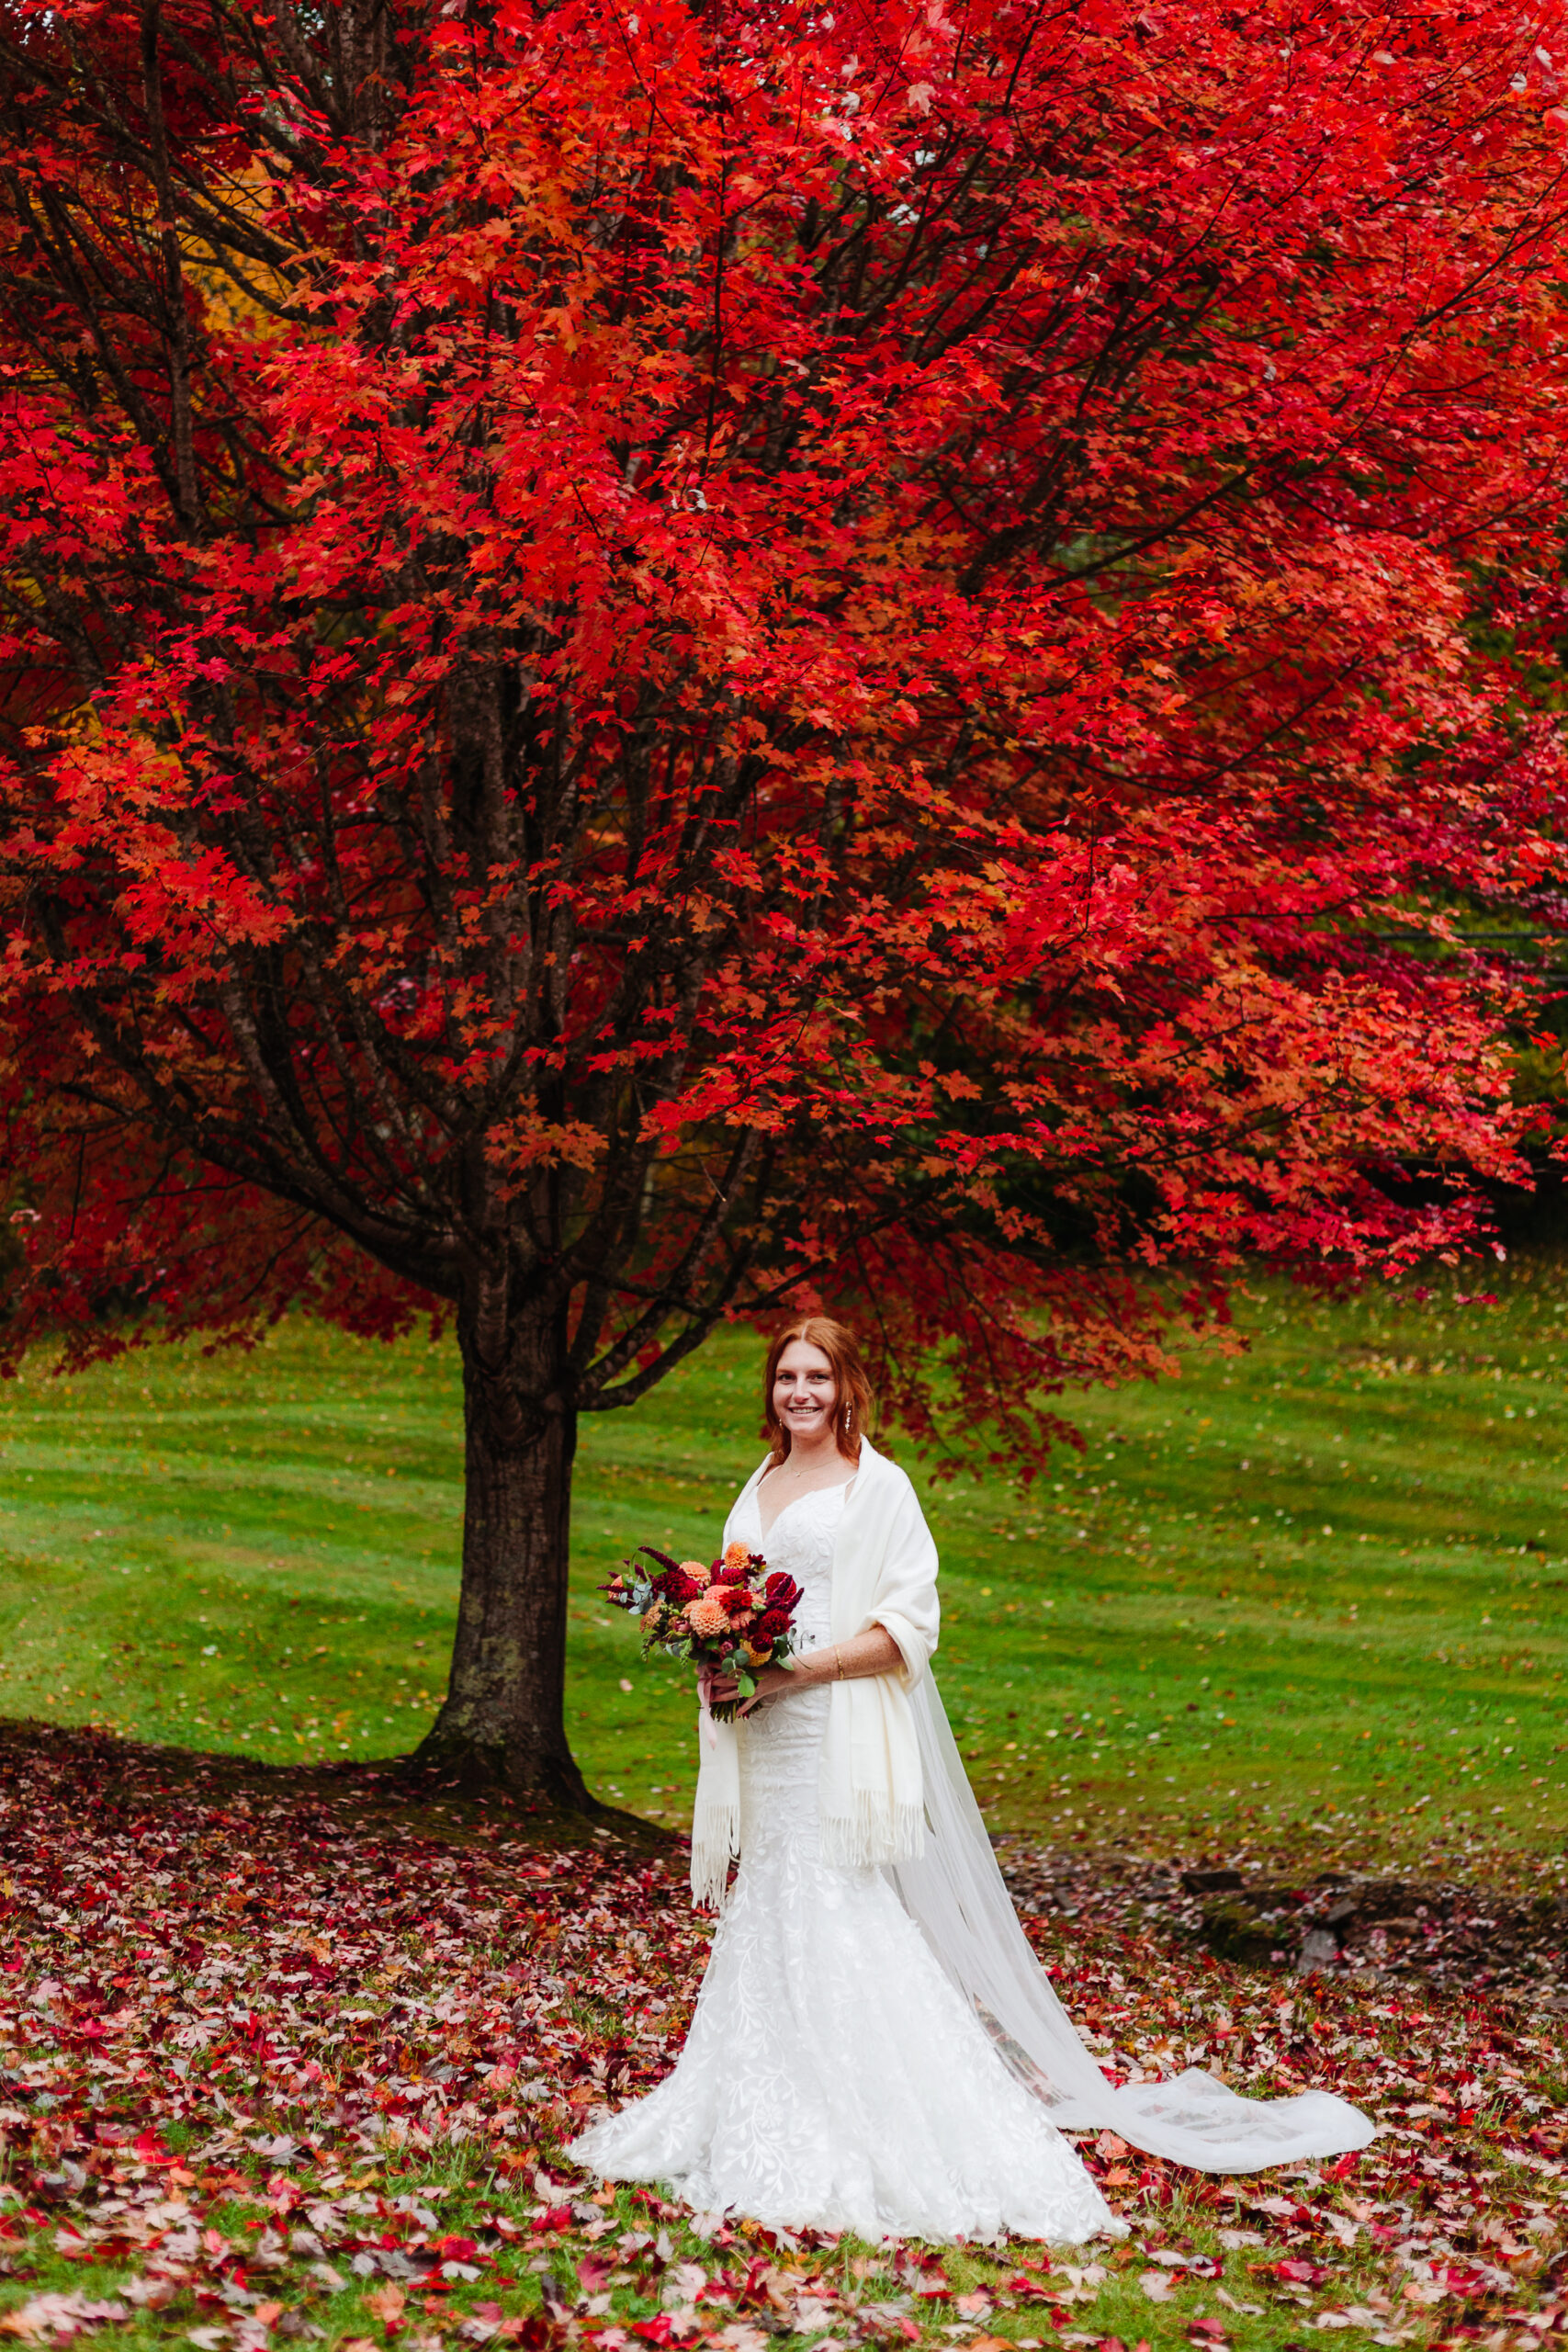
(876, 1831)
(715, 1842)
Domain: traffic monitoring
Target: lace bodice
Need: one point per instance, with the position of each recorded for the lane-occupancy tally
(800, 1541)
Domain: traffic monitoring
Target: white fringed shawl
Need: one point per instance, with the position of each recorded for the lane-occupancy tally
(884, 1567)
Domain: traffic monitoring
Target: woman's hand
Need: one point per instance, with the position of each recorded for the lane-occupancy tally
(722, 1687)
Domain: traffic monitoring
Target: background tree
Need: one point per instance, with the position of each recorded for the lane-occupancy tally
(666, 662)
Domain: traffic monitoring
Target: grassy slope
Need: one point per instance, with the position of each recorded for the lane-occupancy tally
(1321, 1584)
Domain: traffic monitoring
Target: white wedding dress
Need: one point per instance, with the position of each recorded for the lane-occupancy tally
(834, 2076)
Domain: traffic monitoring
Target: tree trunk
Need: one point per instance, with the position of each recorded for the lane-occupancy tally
(502, 1724)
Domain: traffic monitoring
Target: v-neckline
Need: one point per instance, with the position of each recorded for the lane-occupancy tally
(842, 1488)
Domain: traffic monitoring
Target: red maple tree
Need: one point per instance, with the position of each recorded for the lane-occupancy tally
(665, 661)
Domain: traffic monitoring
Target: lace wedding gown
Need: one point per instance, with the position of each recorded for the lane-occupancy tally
(833, 2076)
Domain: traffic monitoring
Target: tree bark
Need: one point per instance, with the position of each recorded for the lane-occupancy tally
(502, 1724)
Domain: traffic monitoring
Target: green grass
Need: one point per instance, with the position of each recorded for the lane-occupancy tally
(1317, 1586)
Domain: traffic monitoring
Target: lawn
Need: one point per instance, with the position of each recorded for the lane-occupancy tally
(1313, 1590)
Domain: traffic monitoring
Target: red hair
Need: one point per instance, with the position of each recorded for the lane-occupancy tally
(851, 1390)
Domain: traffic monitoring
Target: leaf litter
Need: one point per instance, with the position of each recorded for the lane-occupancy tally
(274, 2069)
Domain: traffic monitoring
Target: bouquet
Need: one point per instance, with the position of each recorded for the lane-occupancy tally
(732, 1618)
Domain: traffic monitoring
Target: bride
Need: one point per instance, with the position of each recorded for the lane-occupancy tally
(875, 2047)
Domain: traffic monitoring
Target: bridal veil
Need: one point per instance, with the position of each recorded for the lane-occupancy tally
(956, 1894)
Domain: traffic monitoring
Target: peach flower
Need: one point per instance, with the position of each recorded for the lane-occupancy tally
(707, 1615)
(698, 1570)
(737, 1555)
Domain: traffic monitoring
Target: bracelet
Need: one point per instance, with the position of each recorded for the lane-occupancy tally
(839, 1661)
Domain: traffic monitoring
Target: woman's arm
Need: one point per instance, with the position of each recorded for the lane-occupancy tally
(873, 1652)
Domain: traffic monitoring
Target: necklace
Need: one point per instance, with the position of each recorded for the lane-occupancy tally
(786, 1477)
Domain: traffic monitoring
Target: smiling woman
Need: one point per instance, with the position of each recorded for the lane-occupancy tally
(868, 1902)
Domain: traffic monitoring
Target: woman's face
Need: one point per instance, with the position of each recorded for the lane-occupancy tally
(803, 1391)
